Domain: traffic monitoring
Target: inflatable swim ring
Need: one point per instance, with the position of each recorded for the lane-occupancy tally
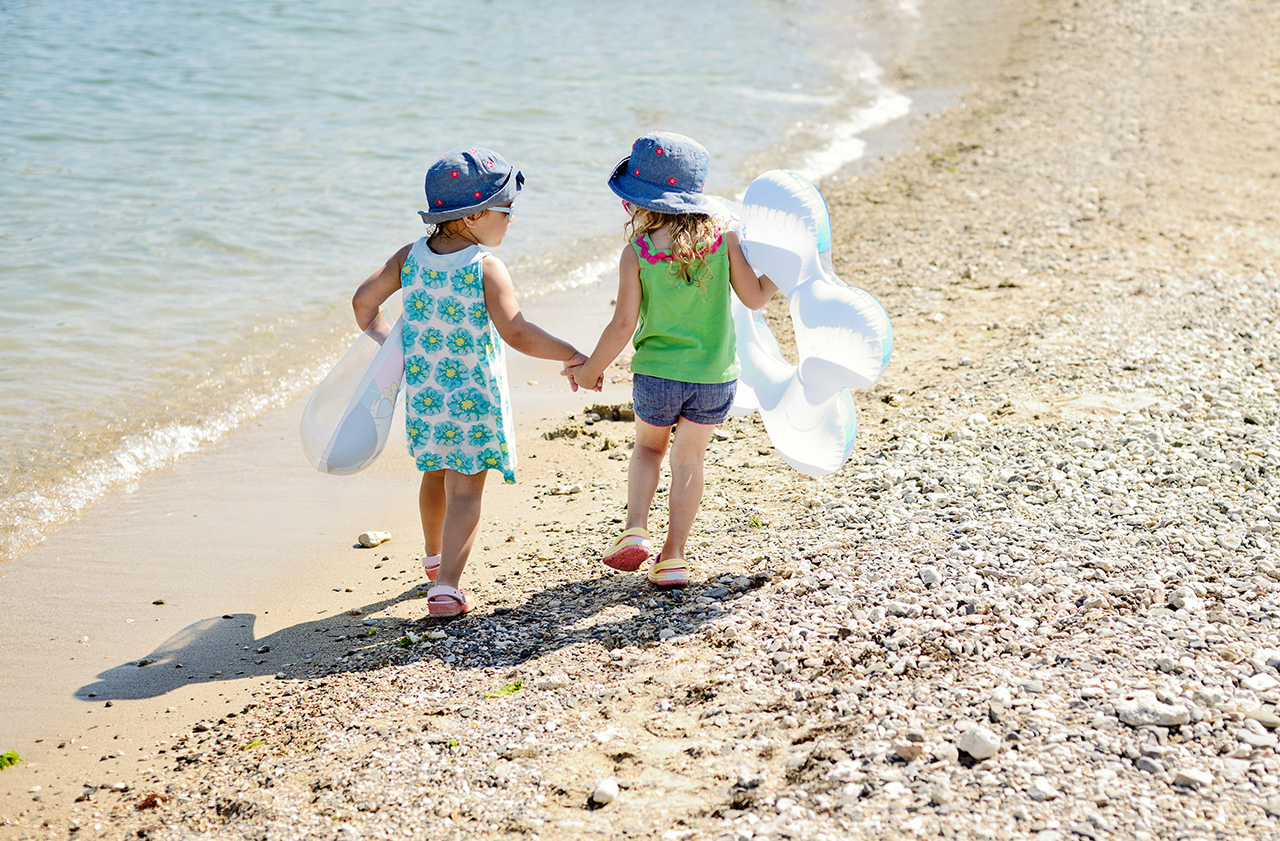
(347, 420)
(843, 335)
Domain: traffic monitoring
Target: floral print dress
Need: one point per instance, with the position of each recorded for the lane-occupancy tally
(457, 407)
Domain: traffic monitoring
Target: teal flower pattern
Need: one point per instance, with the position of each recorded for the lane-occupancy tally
(427, 401)
(416, 430)
(449, 434)
(416, 369)
(490, 459)
(430, 461)
(450, 374)
(432, 340)
(468, 405)
(452, 310)
(460, 342)
(409, 270)
(418, 305)
(468, 281)
(457, 408)
(408, 336)
(456, 460)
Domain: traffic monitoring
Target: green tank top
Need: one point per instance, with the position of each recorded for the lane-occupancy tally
(685, 331)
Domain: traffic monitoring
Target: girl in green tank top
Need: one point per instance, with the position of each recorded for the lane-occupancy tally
(674, 281)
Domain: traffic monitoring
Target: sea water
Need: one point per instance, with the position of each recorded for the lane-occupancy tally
(189, 193)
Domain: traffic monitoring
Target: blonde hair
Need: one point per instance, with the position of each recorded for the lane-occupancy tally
(691, 238)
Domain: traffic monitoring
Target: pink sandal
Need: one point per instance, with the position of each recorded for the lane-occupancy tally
(431, 566)
(444, 601)
(669, 572)
(629, 551)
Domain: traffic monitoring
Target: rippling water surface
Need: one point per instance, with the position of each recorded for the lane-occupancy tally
(190, 192)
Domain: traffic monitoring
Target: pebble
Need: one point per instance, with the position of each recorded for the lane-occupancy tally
(606, 792)
(369, 539)
(979, 742)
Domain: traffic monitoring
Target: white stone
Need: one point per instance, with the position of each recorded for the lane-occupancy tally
(369, 539)
(979, 742)
(1193, 778)
(1143, 709)
(1261, 682)
(1041, 789)
(606, 791)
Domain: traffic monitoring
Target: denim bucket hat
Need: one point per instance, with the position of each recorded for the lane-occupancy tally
(468, 180)
(666, 172)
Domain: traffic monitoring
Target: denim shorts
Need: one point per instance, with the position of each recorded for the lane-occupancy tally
(660, 402)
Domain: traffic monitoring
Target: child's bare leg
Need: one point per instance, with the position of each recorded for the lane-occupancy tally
(644, 471)
(461, 522)
(688, 452)
(431, 508)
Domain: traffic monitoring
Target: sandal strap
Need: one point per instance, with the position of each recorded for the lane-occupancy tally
(632, 533)
(668, 564)
(444, 591)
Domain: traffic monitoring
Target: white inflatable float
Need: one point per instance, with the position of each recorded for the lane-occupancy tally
(347, 421)
(843, 338)
(843, 335)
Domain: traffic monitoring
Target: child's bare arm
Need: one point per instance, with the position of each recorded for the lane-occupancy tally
(754, 291)
(620, 328)
(377, 288)
(515, 330)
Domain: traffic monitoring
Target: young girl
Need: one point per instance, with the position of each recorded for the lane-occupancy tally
(674, 281)
(459, 308)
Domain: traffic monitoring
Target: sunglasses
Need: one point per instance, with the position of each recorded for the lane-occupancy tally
(510, 211)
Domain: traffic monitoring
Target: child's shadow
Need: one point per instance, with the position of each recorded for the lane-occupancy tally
(611, 610)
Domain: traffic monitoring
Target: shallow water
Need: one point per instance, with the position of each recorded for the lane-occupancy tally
(190, 194)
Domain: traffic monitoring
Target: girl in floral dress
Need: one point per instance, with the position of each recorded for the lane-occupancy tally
(460, 309)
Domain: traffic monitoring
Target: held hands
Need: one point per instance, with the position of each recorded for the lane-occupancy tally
(573, 370)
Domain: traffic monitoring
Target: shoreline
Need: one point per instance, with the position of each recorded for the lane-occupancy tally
(1042, 251)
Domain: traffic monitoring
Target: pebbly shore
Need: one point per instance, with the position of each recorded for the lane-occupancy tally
(1042, 599)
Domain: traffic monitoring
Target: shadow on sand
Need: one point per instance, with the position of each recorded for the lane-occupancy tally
(610, 610)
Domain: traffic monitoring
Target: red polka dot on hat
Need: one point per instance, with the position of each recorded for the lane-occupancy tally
(453, 174)
(658, 151)
(477, 194)
(671, 180)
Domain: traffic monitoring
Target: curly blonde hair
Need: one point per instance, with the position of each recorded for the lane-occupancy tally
(691, 234)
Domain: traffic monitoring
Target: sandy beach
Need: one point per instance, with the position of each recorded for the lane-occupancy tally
(1041, 600)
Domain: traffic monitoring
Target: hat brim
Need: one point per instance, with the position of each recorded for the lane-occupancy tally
(508, 191)
(643, 194)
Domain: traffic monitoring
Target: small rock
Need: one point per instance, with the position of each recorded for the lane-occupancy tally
(946, 752)
(1151, 766)
(1266, 718)
(930, 576)
(1144, 709)
(606, 792)
(979, 742)
(845, 771)
(1261, 682)
(1041, 790)
(369, 539)
(1257, 740)
(1193, 778)
(908, 751)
